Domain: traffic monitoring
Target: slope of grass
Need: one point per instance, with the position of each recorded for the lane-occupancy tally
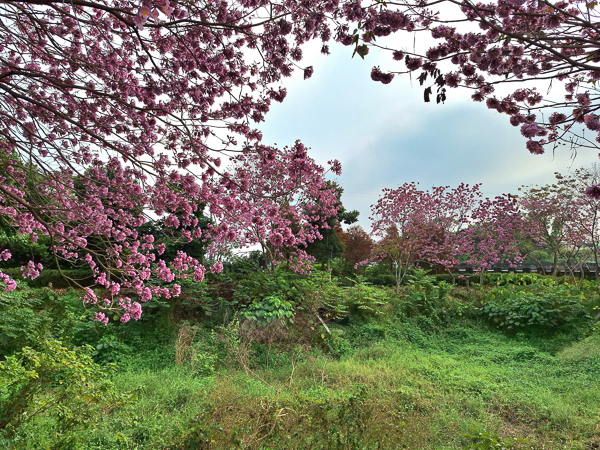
(407, 387)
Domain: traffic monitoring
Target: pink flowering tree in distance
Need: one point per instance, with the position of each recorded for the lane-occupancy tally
(483, 45)
(552, 216)
(283, 212)
(582, 185)
(493, 234)
(422, 227)
(116, 111)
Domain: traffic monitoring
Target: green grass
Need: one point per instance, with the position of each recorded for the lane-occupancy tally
(405, 388)
(405, 375)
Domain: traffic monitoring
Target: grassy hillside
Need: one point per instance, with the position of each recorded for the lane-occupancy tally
(430, 371)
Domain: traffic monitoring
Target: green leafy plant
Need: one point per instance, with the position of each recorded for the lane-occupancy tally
(269, 309)
(514, 308)
(110, 350)
(487, 441)
(365, 299)
(54, 388)
(424, 295)
(28, 316)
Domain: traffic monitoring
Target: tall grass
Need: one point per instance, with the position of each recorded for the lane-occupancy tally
(467, 385)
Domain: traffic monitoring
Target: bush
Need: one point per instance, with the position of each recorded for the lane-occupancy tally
(365, 300)
(28, 316)
(260, 285)
(380, 275)
(512, 308)
(54, 278)
(54, 391)
(424, 296)
(268, 309)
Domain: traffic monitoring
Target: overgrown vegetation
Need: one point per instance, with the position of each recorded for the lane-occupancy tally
(282, 361)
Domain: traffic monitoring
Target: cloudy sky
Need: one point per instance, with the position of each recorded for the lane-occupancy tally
(385, 135)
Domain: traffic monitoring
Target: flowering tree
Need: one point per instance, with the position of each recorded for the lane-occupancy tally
(493, 233)
(357, 244)
(283, 213)
(583, 186)
(551, 219)
(422, 226)
(330, 245)
(483, 45)
(112, 112)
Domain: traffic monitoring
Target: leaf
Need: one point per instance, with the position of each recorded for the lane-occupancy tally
(427, 94)
(422, 78)
(361, 50)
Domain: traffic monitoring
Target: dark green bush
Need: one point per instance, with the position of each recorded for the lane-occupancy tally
(54, 278)
(424, 296)
(514, 308)
(380, 275)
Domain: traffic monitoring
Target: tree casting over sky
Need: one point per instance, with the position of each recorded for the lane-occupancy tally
(116, 112)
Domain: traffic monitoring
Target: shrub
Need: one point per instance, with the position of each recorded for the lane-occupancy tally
(423, 296)
(380, 275)
(56, 389)
(364, 299)
(54, 278)
(513, 308)
(28, 316)
(268, 309)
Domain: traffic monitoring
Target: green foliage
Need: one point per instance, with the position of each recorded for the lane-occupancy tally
(268, 309)
(54, 278)
(517, 279)
(53, 392)
(110, 349)
(380, 275)
(424, 377)
(328, 248)
(253, 262)
(516, 308)
(486, 441)
(588, 348)
(424, 296)
(23, 250)
(28, 316)
(364, 299)
(260, 285)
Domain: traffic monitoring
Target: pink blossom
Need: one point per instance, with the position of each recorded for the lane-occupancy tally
(217, 267)
(593, 191)
(9, 283)
(176, 290)
(557, 117)
(535, 147)
(378, 75)
(412, 63)
(592, 122)
(276, 239)
(530, 129)
(101, 317)
(31, 270)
